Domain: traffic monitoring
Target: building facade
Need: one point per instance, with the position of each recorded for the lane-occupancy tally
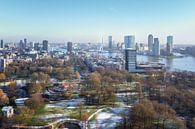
(129, 41)
(2, 44)
(69, 47)
(169, 45)
(8, 111)
(45, 45)
(156, 47)
(36, 46)
(150, 43)
(31, 44)
(21, 45)
(2, 65)
(25, 43)
(110, 42)
(130, 59)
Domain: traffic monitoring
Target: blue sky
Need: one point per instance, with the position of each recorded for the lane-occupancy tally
(89, 20)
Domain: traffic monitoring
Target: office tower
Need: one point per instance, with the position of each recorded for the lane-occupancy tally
(110, 42)
(130, 59)
(137, 46)
(102, 45)
(118, 46)
(156, 47)
(21, 45)
(45, 45)
(150, 43)
(69, 47)
(31, 44)
(2, 45)
(2, 64)
(129, 41)
(25, 43)
(36, 46)
(169, 45)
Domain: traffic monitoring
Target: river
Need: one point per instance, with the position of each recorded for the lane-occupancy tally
(186, 63)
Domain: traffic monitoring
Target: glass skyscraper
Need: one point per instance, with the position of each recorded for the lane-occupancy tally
(129, 41)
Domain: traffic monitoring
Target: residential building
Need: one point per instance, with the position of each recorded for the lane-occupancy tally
(169, 45)
(8, 111)
(156, 47)
(150, 43)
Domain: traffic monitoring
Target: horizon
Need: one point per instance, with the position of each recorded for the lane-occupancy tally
(87, 21)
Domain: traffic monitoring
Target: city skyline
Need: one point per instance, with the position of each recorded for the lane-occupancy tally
(87, 21)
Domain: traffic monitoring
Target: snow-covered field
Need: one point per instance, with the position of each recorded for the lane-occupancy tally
(67, 103)
(108, 118)
(53, 116)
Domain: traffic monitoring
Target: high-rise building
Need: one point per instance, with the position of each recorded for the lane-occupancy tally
(156, 47)
(130, 59)
(110, 42)
(36, 46)
(45, 45)
(31, 44)
(169, 45)
(129, 41)
(2, 64)
(2, 44)
(150, 43)
(69, 47)
(21, 45)
(25, 43)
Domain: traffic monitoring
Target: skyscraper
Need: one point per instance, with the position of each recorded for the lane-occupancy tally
(21, 45)
(129, 41)
(169, 45)
(25, 43)
(2, 44)
(36, 46)
(45, 45)
(31, 44)
(69, 47)
(2, 64)
(130, 59)
(110, 42)
(156, 47)
(150, 43)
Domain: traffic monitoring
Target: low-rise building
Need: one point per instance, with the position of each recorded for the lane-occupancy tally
(8, 111)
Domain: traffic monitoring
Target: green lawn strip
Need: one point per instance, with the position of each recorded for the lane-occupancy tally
(40, 110)
(37, 122)
(55, 110)
(77, 114)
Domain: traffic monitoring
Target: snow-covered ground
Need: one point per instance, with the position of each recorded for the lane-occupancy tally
(67, 103)
(53, 116)
(108, 118)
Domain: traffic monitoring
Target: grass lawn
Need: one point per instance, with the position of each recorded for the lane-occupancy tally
(35, 122)
(81, 114)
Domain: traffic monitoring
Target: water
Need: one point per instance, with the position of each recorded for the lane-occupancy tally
(186, 63)
(178, 63)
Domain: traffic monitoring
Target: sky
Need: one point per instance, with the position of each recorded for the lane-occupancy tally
(90, 20)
